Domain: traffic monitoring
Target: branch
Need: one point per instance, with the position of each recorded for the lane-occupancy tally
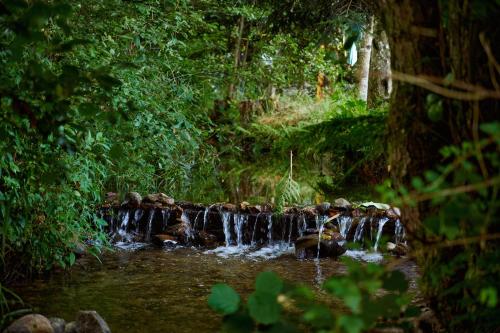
(474, 93)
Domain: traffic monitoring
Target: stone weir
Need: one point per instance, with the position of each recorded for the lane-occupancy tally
(160, 220)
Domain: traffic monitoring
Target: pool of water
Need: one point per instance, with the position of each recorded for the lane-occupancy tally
(155, 290)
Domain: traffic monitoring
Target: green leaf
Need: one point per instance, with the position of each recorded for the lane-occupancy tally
(71, 259)
(224, 299)
(269, 282)
(264, 308)
(351, 324)
(395, 281)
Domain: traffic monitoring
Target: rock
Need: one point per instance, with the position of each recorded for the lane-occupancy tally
(161, 198)
(112, 199)
(58, 324)
(162, 239)
(377, 205)
(132, 200)
(229, 207)
(399, 249)
(331, 245)
(244, 206)
(322, 208)
(207, 239)
(254, 209)
(91, 322)
(178, 230)
(71, 328)
(32, 323)
(342, 203)
(308, 211)
(393, 213)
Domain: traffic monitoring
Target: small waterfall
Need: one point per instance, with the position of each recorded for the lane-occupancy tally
(226, 219)
(188, 230)
(254, 228)
(321, 227)
(290, 232)
(303, 225)
(399, 232)
(138, 214)
(320, 220)
(381, 223)
(123, 216)
(205, 217)
(195, 224)
(345, 223)
(239, 221)
(283, 231)
(270, 229)
(358, 235)
(150, 225)
(165, 216)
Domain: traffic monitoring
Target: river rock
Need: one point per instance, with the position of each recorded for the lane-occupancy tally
(229, 207)
(58, 324)
(342, 203)
(207, 239)
(331, 245)
(91, 322)
(32, 323)
(71, 328)
(322, 208)
(399, 249)
(132, 200)
(393, 213)
(308, 211)
(159, 198)
(162, 239)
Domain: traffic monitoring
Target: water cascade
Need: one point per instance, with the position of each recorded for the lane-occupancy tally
(345, 223)
(226, 219)
(358, 235)
(188, 232)
(381, 223)
(149, 225)
(270, 229)
(240, 221)
(252, 242)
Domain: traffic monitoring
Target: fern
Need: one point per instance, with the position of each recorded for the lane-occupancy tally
(287, 190)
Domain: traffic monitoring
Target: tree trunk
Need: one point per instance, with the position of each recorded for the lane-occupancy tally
(363, 70)
(380, 82)
(237, 51)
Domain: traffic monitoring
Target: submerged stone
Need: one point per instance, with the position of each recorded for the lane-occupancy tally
(91, 322)
(342, 203)
(32, 323)
(58, 324)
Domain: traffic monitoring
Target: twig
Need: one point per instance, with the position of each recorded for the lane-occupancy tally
(477, 94)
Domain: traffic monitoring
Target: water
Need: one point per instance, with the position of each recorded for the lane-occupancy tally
(150, 225)
(345, 223)
(270, 229)
(252, 242)
(381, 223)
(240, 221)
(399, 232)
(226, 219)
(159, 291)
(358, 235)
(303, 225)
(187, 226)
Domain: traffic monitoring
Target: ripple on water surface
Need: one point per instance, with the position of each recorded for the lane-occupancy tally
(152, 290)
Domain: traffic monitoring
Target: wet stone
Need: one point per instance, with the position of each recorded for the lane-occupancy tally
(58, 324)
(32, 323)
(91, 322)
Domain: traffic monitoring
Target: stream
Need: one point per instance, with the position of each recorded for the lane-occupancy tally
(166, 290)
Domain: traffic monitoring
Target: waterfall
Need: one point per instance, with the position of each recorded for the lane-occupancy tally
(137, 217)
(399, 232)
(205, 217)
(270, 229)
(254, 228)
(320, 220)
(321, 227)
(188, 231)
(165, 216)
(150, 225)
(290, 232)
(226, 218)
(345, 223)
(123, 216)
(303, 225)
(239, 222)
(196, 219)
(283, 232)
(358, 235)
(381, 223)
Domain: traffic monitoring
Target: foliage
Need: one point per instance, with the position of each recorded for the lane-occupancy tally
(458, 241)
(278, 306)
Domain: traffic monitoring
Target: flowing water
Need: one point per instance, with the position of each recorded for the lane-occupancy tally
(153, 290)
